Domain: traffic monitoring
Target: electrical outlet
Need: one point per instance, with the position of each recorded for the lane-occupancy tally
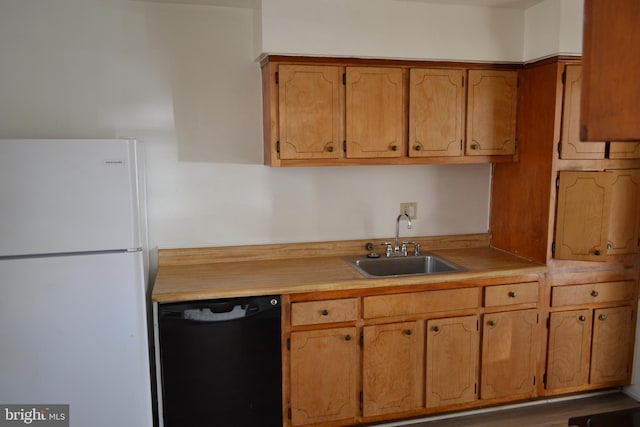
(410, 208)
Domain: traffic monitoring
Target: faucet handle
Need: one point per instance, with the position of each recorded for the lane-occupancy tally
(416, 247)
(389, 246)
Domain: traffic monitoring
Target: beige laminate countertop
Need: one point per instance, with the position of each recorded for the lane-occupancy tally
(316, 274)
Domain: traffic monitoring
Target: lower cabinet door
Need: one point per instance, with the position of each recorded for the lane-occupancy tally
(323, 377)
(568, 353)
(451, 361)
(392, 368)
(611, 353)
(508, 356)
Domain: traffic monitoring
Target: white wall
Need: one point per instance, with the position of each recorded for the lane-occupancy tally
(392, 29)
(553, 27)
(182, 78)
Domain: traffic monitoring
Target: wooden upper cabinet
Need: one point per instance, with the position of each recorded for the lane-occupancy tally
(582, 220)
(436, 112)
(391, 368)
(491, 112)
(508, 354)
(310, 111)
(624, 212)
(452, 361)
(611, 58)
(374, 112)
(571, 146)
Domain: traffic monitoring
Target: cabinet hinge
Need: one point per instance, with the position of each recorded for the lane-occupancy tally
(475, 388)
(537, 319)
(558, 182)
(534, 380)
(277, 78)
(288, 343)
(559, 148)
(544, 379)
(344, 146)
(462, 148)
(361, 340)
(289, 412)
(548, 322)
(344, 79)
(278, 147)
(477, 325)
(553, 248)
(361, 401)
(564, 77)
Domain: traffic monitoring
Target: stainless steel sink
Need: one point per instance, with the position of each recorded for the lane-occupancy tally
(404, 266)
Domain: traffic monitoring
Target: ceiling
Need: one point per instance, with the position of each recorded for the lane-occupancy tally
(511, 4)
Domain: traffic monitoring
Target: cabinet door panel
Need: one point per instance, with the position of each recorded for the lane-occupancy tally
(569, 348)
(310, 112)
(436, 111)
(451, 361)
(323, 375)
(391, 368)
(583, 215)
(624, 150)
(508, 356)
(491, 112)
(624, 211)
(572, 147)
(611, 357)
(374, 112)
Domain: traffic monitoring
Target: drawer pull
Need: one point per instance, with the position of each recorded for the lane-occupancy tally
(513, 294)
(602, 317)
(325, 312)
(594, 293)
(491, 323)
(347, 338)
(436, 329)
(582, 318)
(408, 332)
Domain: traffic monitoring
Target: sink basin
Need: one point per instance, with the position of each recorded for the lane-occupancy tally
(404, 266)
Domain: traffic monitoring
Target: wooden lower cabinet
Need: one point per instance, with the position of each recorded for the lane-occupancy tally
(451, 361)
(589, 347)
(508, 354)
(323, 376)
(391, 380)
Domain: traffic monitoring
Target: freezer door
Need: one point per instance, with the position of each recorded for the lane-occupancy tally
(73, 331)
(60, 196)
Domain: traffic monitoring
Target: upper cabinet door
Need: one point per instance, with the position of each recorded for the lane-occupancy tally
(310, 111)
(436, 112)
(491, 112)
(571, 146)
(374, 112)
(624, 150)
(624, 212)
(583, 215)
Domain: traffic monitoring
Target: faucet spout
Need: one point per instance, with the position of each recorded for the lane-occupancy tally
(396, 248)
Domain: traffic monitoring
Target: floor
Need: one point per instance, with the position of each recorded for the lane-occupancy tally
(555, 414)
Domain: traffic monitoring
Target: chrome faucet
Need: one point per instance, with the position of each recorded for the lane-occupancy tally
(396, 248)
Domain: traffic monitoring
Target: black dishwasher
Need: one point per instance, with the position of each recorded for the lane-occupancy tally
(221, 362)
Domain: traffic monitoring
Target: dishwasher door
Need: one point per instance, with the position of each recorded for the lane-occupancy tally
(221, 362)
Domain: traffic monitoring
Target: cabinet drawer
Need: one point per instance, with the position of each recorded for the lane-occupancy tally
(328, 311)
(420, 302)
(592, 293)
(516, 293)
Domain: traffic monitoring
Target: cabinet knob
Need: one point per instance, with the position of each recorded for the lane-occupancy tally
(602, 317)
(513, 294)
(408, 332)
(594, 293)
(491, 323)
(330, 149)
(609, 245)
(474, 146)
(597, 252)
(347, 338)
(582, 318)
(436, 329)
(394, 148)
(417, 147)
(325, 312)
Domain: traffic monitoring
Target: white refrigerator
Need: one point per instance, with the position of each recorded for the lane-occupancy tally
(73, 311)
